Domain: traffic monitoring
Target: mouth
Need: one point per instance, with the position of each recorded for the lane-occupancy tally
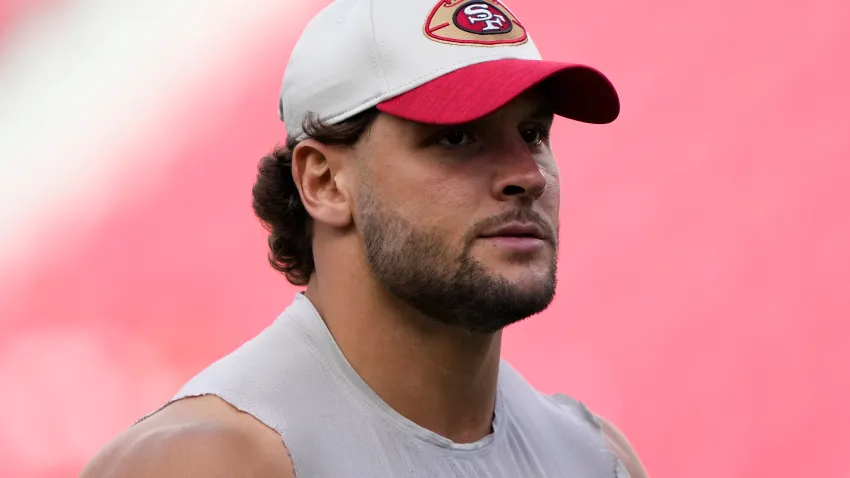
(517, 231)
(520, 238)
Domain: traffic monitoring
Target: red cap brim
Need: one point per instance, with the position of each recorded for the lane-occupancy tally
(577, 92)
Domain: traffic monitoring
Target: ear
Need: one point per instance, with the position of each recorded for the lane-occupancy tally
(317, 171)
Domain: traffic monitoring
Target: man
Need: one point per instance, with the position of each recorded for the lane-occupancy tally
(417, 200)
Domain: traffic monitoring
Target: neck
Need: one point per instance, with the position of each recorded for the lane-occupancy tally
(442, 378)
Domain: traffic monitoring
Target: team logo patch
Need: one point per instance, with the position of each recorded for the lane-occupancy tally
(474, 22)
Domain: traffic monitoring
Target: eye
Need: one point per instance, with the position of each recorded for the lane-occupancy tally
(455, 139)
(534, 135)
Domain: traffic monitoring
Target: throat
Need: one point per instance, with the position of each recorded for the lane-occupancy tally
(440, 378)
(454, 401)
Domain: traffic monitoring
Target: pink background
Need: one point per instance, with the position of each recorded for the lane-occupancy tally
(704, 290)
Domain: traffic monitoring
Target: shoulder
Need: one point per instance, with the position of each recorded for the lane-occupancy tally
(621, 447)
(201, 437)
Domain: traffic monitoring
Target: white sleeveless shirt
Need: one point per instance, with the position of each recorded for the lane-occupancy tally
(293, 378)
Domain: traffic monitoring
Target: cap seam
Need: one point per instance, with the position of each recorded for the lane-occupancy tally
(377, 54)
(445, 70)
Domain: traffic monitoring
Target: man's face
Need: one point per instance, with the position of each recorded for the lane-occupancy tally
(461, 222)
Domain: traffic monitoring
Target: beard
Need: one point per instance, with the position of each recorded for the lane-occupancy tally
(418, 267)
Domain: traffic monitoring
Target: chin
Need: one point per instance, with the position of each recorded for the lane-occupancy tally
(532, 286)
(526, 271)
(528, 280)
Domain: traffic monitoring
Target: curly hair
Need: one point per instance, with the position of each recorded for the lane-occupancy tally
(277, 202)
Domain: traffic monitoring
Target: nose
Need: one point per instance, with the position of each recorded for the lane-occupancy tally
(519, 177)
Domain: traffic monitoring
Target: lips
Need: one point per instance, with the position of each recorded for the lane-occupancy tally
(521, 230)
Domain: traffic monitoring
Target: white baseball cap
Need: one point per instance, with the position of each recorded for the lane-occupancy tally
(430, 61)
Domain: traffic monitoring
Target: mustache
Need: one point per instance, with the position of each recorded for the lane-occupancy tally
(516, 215)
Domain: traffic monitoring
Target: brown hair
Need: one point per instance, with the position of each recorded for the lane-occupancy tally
(277, 202)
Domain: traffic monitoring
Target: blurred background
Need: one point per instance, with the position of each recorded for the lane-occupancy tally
(704, 294)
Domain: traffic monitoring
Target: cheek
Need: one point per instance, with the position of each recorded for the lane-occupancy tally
(551, 202)
(553, 184)
(436, 203)
(443, 205)
(551, 199)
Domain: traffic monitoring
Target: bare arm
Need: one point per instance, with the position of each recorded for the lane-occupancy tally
(197, 451)
(621, 447)
(200, 439)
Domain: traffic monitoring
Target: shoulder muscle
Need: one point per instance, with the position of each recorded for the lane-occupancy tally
(202, 450)
(202, 438)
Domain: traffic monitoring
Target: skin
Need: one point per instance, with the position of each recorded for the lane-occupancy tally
(437, 191)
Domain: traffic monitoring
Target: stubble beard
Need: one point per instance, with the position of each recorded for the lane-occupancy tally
(417, 267)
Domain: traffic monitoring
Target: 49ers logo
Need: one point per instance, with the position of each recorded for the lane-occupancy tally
(482, 18)
(475, 22)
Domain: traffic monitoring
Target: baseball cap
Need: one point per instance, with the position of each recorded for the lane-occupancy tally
(430, 61)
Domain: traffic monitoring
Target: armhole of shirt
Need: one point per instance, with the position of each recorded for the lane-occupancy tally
(569, 402)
